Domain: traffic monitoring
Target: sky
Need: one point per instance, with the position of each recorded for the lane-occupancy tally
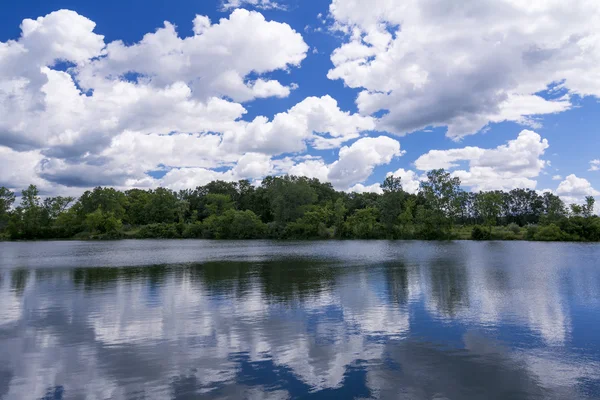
(501, 93)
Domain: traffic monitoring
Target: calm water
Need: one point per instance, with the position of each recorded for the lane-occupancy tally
(271, 320)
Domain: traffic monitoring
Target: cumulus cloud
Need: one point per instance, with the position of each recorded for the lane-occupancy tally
(81, 112)
(317, 120)
(506, 167)
(166, 102)
(20, 169)
(465, 65)
(215, 61)
(356, 162)
(574, 186)
(556, 177)
(260, 4)
(354, 165)
(360, 188)
(178, 88)
(311, 169)
(595, 165)
(17, 169)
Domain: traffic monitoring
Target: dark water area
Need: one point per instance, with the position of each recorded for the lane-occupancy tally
(299, 320)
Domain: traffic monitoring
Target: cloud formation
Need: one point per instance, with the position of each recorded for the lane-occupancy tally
(506, 167)
(465, 65)
(260, 4)
(78, 111)
(170, 102)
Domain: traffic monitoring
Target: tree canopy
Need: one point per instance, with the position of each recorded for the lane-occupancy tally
(292, 207)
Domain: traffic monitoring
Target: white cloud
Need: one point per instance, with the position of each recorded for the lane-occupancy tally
(505, 167)
(311, 169)
(354, 165)
(356, 162)
(43, 108)
(253, 166)
(185, 178)
(260, 4)
(574, 186)
(595, 165)
(213, 62)
(17, 169)
(360, 188)
(317, 120)
(556, 177)
(464, 66)
(20, 169)
(124, 110)
(175, 103)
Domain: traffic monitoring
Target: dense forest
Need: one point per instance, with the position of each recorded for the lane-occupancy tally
(292, 207)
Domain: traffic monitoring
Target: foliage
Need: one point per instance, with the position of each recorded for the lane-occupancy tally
(442, 195)
(390, 204)
(159, 231)
(102, 222)
(290, 197)
(514, 228)
(7, 198)
(480, 233)
(234, 224)
(291, 207)
(550, 233)
(363, 224)
(488, 205)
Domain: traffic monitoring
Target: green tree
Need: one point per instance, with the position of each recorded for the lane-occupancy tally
(553, 208)
(588, 208)
(218, 204)
(109, 199)
(54, 206)
(101, 221)
(442, 200)
(390, 204)
(363, 224)
(312, 225)
(162, 207)
(406, 219)
(488, 206)
(339, 214)
(7, 199)
(524, 206)
(136, 206)
(31, 204)
(290, 198)
(549, 233)
(243, 225)
(234, 224)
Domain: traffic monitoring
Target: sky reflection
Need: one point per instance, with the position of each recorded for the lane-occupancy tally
(412, 320)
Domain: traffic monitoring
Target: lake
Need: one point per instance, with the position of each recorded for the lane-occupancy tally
(277, 320)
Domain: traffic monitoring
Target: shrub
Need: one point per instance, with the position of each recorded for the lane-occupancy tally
(531, 232)
(234, 225)
(509, 235)
(480, 233)
(158, 231)
(514, 228)
(193, 231)
(549, 233)
(593, 230)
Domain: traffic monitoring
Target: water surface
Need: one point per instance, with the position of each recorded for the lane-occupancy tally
(277, 320)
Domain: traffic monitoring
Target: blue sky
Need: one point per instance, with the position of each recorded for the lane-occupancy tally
(414, 77)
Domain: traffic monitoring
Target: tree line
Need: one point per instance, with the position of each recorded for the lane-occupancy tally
(294, 207)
